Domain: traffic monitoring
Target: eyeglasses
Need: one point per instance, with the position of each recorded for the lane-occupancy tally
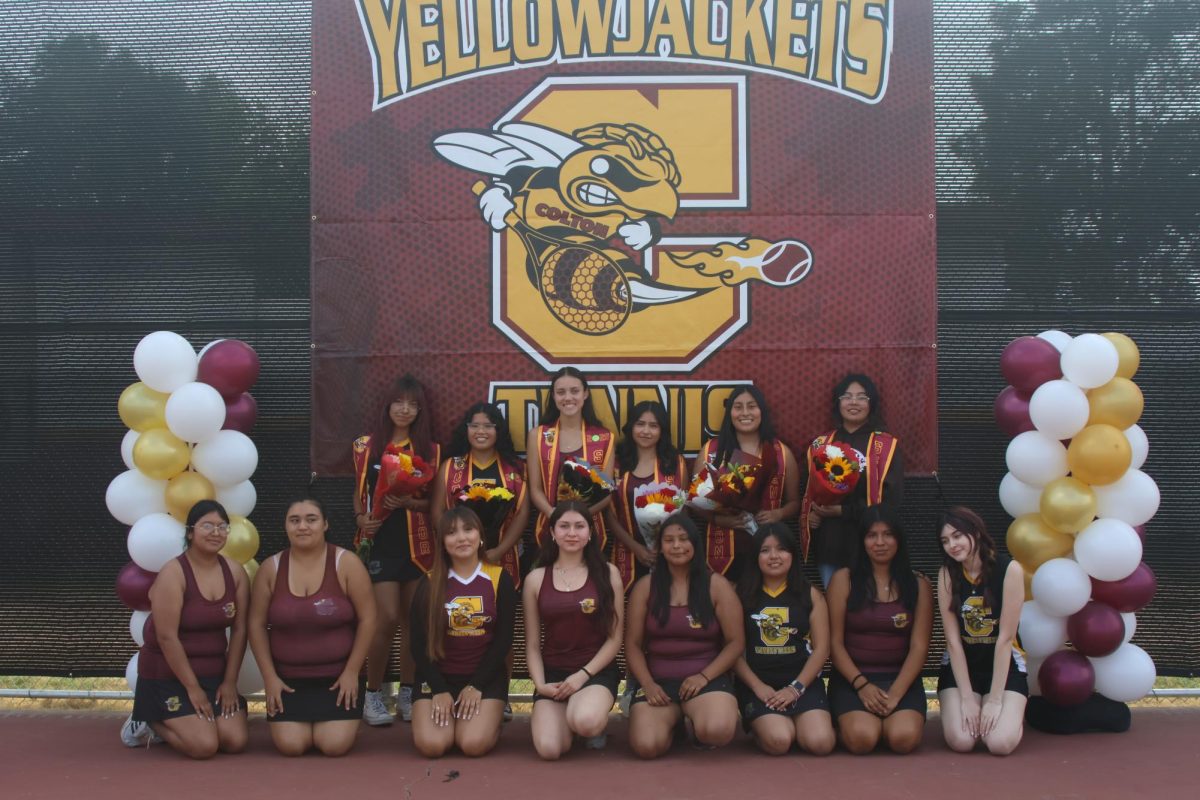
(411, 405)
(860, 397)
(481, 426)
(209, 527)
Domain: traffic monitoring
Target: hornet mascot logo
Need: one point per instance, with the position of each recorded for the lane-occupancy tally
(569, 197)
(465, 618)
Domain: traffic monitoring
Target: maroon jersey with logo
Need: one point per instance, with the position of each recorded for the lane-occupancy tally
(877, 636)
(682, 647)
(571, 630)
(474, 615)
(311, 637)
(202, 625)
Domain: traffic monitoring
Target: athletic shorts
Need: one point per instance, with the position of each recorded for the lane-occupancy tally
(496, 689)
(722, 683)
(608, 677)
(157, 699)
(981, 682)
(314, 701)
(813, 699)
(843, 699)
(393, 570)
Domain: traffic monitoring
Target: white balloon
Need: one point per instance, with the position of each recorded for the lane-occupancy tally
(1125, 675)
(1090, 361)
(1017, 498)
(137, 626)
(1061, 587)
(227, 459)
(195, 412)
(238, 499)
(206, 347)
(1058, 409)
(1139, 444)
(131, 673)
(131, 496)
(164, 361)
(1133, 498)
(154, 540)
(1059, 339)
(1108, 549)
(1130, 620)
(127, 448)
(250, 679)
(1035, 458)
(1041, 633)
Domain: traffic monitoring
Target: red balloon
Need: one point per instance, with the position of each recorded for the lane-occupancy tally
(1028, 362)
(1128, 594)
(230, 366)
(240, 413)
(1096, 629)
(1012, 411)
(1066, 678)
(133, 586)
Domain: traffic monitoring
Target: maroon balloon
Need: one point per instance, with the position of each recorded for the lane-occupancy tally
(1012, 411)
(1140, 530)
(1028, 362)
(1066, 678)
(1128, 594)
(1096, 629)
(240, 413)
(133, 586)
(230, 366)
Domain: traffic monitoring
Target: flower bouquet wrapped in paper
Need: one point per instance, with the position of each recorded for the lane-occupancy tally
(399, 474)
(491, 503)
(731, 487)
(836, 469)
(652, 504)
(579, 480)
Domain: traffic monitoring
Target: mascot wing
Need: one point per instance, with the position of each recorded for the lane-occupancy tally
(512, 145)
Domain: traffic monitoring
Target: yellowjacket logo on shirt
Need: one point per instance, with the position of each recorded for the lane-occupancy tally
(977, 621)
(173, 703)
(772, 626)
(587, 605)
(466, 616)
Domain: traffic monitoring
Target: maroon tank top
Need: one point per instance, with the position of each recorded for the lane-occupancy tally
(202, 625)
(473, 613)
(571, 632)
(682, 647)
(877, 636)
(311, 637)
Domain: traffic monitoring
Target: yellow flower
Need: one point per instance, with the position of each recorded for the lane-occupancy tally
(838, 468)
(478, 491)
(499, 493)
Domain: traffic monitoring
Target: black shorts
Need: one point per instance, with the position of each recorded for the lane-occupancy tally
(314, 701)
(496, 689)
(722, 683)
(843, 699)
(608, 677)
(813, 699)
(981, 682)
(157, 699)
(384, 569)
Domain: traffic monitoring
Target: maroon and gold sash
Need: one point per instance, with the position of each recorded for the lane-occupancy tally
(420, 531)
(623, 556)
(457, 475)
(721, 540)
(597, 444)
(881, 449)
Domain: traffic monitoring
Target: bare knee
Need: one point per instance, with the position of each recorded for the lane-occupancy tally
(649, 746)
(589, 723)
(1002, 744)
(430, 747)
(774, 743)
(475, 745)
(292, 747)
(715, 732)
(903, 741)
(336, 748)
(199, 748)
(234, 742)
(859, 739)
(818, 744)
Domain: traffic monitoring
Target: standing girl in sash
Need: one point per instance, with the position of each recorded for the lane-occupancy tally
(573, 626)
(481, 452)
(747, 437)
(395, 541)
(569, 431)
(856, 409)
(645, 455)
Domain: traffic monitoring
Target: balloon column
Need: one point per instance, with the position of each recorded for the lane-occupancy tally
(1080, 503)
(188, 419)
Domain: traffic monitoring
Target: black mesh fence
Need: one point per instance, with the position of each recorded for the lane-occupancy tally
(154, 174)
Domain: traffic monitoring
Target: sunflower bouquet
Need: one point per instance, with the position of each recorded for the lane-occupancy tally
(579, 480)
(400, 474)
(652, 504)
(835, 471)
(732, 487)
(491, 503)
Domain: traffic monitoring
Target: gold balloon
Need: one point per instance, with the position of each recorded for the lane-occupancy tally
(1032, 542)
(185, 490)
(251, 568)
(1118, 403)
(1068, 505)
(1028, 584)
(1127, 354)
(160, 454)
(141, 408)
(242, 544)
(1099, 455)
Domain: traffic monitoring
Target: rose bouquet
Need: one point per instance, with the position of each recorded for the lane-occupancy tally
(579, 480)
(731, 487)
(652, 504)
(491, 503)
(399, 474)
(836, 470)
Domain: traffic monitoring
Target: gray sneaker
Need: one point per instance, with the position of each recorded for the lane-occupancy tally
(135, 734)
(596, 742)
(404, 702)
(374, 711)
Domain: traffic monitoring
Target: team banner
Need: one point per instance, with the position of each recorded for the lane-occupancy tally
(676, 197)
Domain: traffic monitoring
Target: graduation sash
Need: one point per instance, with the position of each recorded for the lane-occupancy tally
(597, 443)
(720, 541)
(623, 556)
(457, 475)
(881, 449)
(420, 531)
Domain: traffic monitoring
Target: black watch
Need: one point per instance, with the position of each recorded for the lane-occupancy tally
(799, 687)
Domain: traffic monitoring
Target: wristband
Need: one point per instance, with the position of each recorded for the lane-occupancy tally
(866, 681)
(584, 670)
(707, 680)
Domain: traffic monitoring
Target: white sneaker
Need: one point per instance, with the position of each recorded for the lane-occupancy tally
(404, 702)
(598, 742)
(374, 711)
(135, 734)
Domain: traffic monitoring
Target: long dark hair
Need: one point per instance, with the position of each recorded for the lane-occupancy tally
(627, 450)
(593, 559)
(436, 620)
(874, 403)
(200, 509)
(420, 433)
(900, 572)
(550, 413)
(967, 521)
(727, 438)
(700, 604)
(799, 590)
(460, 442)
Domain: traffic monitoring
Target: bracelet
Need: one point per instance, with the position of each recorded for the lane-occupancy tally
(707, 680)
(584, 670)
(866, 681)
